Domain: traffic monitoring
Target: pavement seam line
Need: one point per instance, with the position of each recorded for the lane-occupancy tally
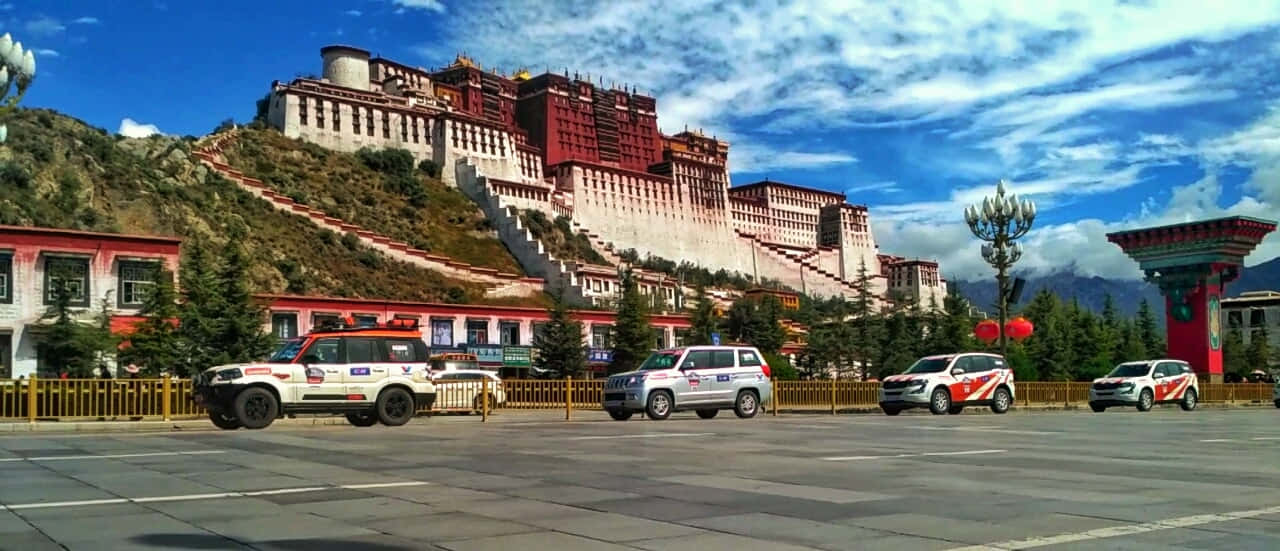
(198, 497)
(108, 456)
(921, 454)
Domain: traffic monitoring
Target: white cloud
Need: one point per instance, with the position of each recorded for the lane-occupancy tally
(353, 13)
(428, 5)
(45, 26)
(86, 20)
(130, 128)
(45, 52)
(754, 159)
(880, 187)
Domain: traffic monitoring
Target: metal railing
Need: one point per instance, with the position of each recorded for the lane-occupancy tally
(106, 399)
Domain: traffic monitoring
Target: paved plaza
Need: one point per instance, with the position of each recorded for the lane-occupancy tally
(1168, 479)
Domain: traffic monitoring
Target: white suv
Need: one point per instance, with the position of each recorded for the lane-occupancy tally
(371, 374)
(1144, 384)
(464, 389)
(705, 379)
(948, 383)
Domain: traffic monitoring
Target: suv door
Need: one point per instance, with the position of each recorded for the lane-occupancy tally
(694, 386)
(322, 376)
(1162, 381)
(405, 356)
(962, 370)
(724, 365)
(365, 369)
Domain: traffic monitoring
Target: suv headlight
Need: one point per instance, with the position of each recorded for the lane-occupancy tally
(635, 380)
(230, 374)
(918, 386)
(1125, 387)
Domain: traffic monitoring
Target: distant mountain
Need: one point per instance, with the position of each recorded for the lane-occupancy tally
(1126, 293)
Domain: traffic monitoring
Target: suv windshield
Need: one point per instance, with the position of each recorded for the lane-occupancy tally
(287, 352)
(929, 365)
(1129, 370)
(660, 360)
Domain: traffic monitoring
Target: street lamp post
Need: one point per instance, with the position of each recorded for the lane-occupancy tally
(17, 67)
(999, 221)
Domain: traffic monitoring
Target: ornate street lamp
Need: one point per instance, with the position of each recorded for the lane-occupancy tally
(16, 67)
(999, 221)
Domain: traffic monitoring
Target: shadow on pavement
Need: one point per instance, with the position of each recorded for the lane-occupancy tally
(210, 541)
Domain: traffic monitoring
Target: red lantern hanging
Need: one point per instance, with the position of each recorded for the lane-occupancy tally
(987, 331)
(1018, 328)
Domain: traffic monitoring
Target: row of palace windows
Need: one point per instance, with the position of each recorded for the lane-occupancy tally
(415, 132)
(71, 274)
(1257, 318)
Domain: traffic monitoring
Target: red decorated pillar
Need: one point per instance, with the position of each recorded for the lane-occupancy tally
(1192, 263)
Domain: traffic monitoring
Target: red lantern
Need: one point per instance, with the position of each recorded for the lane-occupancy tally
(987, 331)
(1018, 328)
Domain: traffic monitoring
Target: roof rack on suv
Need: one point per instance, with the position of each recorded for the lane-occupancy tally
(349, 324)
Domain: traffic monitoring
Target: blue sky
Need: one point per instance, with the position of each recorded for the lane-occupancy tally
(1108, 115)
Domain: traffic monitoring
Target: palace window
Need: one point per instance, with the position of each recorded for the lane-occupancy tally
(284, 325)
(137, 279)
(302, 111)
(404, 129)
(368, 121)
(355, 120)
(6, 278)
(601, 336)
(477, 332)
(337, 122)
(1257, 317)
(386, 126)
(67, 275)
(319, 114)
(509, 332)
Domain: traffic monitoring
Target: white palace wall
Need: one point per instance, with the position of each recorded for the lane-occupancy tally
(357, 125)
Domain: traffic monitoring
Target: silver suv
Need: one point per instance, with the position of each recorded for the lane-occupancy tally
(705, 379)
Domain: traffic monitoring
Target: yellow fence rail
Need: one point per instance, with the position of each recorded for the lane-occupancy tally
(123, 399)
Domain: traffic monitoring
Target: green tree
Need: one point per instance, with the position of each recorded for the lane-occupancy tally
(703, 322)
(1258, 355)
(633, 336)
(562, 351)
(1131, 346)
(199, 314)
(868, 336)
(1234, 353)
(957, 325)
(780, 367)
(240, 337)
(155, 344)
(70, 346)
(1148, 331)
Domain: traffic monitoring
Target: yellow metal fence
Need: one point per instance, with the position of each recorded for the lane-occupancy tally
(108, 399)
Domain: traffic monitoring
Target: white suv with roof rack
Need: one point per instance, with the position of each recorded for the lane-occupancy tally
(948, 383)
(705, 379)
(1144, 384)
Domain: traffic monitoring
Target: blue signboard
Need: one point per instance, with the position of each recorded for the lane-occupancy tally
(715, 339)
(600, 355)
(436, 350)
(486, 354)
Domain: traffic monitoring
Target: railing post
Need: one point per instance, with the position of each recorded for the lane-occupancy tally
(31, 399)
(484, 399)
(166, 395)
(833, 394)
(568, 397)
(777, 395)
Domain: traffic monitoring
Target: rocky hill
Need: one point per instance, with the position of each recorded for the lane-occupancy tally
(56, 171)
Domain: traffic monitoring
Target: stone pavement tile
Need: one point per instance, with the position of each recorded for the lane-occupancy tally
(160, 542)
(47, 491)
(282, 525)
(776, 489)
(110, 529)
(535, 540)
(514, 508)
(29, 540)
(658, 508)
(787, 529)
(110, 510)
(569, 494)
(254, 481)
(310, 497)
(377, 542)
(145, 484)
(605, 481)
(449, 526)
(364, 509)
(433, 494)
(218, 509)
(712, 541)
(11, 523)
(929, 526)
(613, 527)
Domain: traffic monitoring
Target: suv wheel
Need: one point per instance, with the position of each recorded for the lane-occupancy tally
(747, 405)
(1146, 400)
(1001, 401)
(939, 401)
(394, 407)
(955, 410)
(890, 410)
(1189, 400)
(224, 421)
(256, 407)
(1097, 408)
(659, 405)
(620, 414)
(708, 413)
(363, 419)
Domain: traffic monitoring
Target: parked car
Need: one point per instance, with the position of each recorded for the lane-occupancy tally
(1144, 384)
(464, 389)
(705, 379)
(949, 383)
(370, 374)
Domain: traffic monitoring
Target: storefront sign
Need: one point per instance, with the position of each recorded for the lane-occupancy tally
(486, 354)
(517, 356)
(600, 355)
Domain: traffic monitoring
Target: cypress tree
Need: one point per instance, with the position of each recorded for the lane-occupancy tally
(1148, 332)
(703, 321)
(868, 338)
(1234, 353)
(1258, 355)
(240, 336)
(562, 350)
(155, 344)
(200, 311)
(633, 337)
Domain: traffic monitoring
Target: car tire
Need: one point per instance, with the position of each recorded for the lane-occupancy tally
(1146, 399)
(708, 413)
(939, 401)
(1001, 401)
(394, 407)
(659, 405)
(955, 410)
(1277, 404)
(365, 419)
(479, 403)
(1097, 408)
(620, 414)
(256, 407)
(747, 405)
(224, 421)
(890, 410)
(1189, 400)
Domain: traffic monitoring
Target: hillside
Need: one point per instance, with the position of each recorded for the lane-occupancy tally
(381, 191)
(1126, 293)
(57, 171)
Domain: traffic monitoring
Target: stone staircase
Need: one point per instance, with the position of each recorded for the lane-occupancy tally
(788, 260)
(605, 248)
(497, 284)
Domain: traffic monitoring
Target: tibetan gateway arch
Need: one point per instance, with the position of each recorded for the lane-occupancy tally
(1192, 263)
